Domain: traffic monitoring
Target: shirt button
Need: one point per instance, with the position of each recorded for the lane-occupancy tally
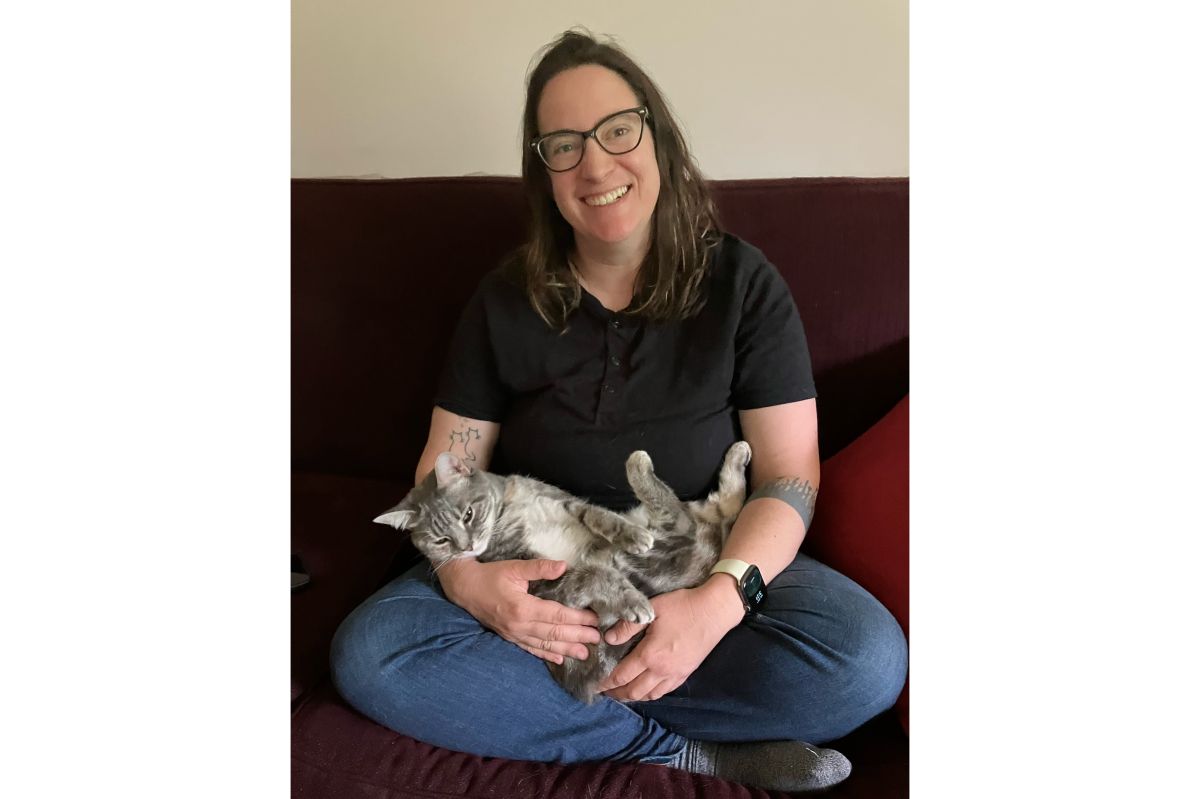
(616, 323)
(608, 389)
(615, 360)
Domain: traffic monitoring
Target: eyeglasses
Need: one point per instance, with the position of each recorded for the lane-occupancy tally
(616, 134)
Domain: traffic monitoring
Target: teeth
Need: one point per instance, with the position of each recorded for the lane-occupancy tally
(605, 199)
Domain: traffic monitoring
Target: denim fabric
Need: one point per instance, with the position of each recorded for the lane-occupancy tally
(820, 658)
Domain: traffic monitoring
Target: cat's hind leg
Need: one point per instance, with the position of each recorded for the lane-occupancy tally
(661, 503)
(612, 597)
(731, 483)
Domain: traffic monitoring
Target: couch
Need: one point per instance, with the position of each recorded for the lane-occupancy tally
(381, 270)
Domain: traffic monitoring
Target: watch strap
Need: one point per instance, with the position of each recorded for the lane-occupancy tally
(737, 568)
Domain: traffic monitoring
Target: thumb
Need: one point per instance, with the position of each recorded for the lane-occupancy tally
(622, 631)
(540, 569)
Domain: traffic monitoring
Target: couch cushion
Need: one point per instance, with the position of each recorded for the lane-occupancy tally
(861, 524)
(338, 753)
(347, 556)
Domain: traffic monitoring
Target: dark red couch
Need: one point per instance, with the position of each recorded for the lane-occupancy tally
(381, 270)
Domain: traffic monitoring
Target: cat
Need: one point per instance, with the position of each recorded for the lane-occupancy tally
(616, 561)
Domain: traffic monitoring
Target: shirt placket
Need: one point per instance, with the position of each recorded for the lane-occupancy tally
(617, 332)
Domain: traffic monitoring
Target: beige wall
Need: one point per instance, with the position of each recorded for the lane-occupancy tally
(392, 88)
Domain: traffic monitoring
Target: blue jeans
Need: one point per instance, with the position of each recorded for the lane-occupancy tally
(821, 658)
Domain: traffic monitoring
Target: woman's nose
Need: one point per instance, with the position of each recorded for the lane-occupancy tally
(596, 161)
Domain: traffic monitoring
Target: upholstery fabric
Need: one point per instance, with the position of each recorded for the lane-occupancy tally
(346, 555)
(861, 523)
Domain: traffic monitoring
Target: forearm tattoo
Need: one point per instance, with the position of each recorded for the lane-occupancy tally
(463, 436)
(800, 495)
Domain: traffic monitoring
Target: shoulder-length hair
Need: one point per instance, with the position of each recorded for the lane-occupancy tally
(670, 283)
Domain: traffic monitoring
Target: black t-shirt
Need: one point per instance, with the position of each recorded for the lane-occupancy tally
(573, 406)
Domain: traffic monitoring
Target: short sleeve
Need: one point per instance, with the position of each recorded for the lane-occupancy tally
(771, 360)
(470, 383)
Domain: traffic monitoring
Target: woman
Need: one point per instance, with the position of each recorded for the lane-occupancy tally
(630, 322)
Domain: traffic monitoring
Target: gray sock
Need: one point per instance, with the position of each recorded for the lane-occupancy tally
(773, 765)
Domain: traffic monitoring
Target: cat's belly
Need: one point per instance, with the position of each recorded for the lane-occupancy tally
(552, 534)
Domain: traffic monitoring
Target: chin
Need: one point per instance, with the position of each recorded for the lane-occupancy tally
(616, 231)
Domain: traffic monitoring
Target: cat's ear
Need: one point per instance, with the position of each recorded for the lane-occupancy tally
(449, 470)
(402, 517)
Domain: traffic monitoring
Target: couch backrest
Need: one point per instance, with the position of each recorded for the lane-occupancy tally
(382, 268)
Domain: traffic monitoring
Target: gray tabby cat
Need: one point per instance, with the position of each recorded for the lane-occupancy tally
(615, 560)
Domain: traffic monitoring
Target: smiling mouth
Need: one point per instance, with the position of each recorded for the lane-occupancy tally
(607, 198)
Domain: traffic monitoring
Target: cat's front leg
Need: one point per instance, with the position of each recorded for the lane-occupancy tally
(612, 596)
(617, 530)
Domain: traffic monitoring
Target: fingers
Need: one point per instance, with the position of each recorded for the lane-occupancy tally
(570, 633)
(549, 610)
(540, 569)
(557, 649)
(662, 689)
(561, 639)
(629, 668)
(622, 631)
(645, 687)
(541, 653)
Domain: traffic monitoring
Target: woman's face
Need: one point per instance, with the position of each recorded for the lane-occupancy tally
(576, 100)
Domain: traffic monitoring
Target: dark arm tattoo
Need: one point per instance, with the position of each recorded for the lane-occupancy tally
(801, 496)
(464, 437)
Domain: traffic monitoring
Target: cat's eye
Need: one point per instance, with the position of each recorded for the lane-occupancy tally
(469, 515)
(442, 541)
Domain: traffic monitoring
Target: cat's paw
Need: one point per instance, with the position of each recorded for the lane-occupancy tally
(738, 455)
(637, 609)
(639, 463)
(637, 540)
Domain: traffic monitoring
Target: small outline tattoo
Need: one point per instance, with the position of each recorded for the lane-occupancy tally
(800, 495)
(465, 437)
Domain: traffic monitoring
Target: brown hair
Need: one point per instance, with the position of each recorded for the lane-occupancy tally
(684, 227)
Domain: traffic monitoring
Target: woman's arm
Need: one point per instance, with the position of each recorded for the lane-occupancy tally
(497, 593)
(785, 469)
(785, 473)
(472, 440)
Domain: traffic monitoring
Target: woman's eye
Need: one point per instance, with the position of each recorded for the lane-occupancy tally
(470, 514)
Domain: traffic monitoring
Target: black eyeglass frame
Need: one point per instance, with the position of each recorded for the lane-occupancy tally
(642, 111)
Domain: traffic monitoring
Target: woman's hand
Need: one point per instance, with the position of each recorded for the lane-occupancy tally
(688, 624)
(497, 594)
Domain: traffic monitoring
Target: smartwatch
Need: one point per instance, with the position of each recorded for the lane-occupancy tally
(749, 580)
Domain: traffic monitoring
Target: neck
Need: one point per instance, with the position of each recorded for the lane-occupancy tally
(609, 272)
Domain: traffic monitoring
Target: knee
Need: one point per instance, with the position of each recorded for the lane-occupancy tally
(374, 650)
(881, 654)
(355, 656)
(857, 671)
(874, 667)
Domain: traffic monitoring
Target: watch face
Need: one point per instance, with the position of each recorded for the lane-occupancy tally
(753, 588)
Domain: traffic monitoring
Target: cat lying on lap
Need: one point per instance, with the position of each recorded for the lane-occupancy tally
(616, 561)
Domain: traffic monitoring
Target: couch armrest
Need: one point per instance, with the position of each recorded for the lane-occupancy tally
(347, 555)
(861, 523)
